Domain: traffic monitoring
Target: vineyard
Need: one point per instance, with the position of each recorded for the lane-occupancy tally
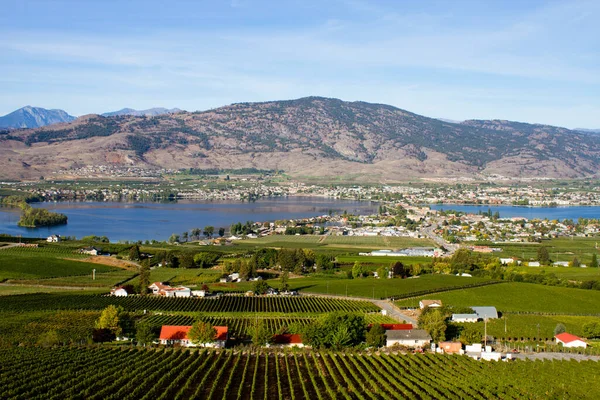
(305, 305)
(129, 373)
(44, 262)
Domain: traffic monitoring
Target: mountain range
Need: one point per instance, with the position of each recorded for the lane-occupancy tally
(148, 113)
(34, 117)
(307, 137)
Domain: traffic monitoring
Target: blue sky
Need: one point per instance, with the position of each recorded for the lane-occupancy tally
(532, 61)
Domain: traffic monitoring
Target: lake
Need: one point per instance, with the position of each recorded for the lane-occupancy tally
(558, 213)
(146, 221)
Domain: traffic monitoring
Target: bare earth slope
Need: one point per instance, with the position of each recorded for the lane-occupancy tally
(306, 137)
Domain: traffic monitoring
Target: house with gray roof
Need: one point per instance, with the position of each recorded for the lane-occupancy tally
(410, 338)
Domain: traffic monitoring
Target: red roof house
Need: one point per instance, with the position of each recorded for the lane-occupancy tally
(174, 334)
(288, 340)
(568, 340)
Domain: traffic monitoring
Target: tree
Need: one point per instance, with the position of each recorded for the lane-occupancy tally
(202, 333)
(284, 281)
(134, 253)
(260, 334)
(143, 334)
(398, 269)
(335, 330)
(594, 263)
(358, 271)
(221, 232)
(185, 235)
(559, 328)
(209, 230)
(174, 238)
(575, 263)
(186, 260)
(375, 337)
(244, 271)
(261, 287)
(144, 277)
(591, 330)
(434, 322)
(109, 320)
(196, 233)
(542, 255)
(470, 334)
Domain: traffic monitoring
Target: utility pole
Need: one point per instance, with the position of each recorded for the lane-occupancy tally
(94, 274)
(485, 333)
(504, 324)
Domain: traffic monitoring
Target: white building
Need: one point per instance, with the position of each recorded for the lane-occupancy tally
(568, 340)
(414, 338)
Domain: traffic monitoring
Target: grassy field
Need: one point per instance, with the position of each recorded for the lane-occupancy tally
(521, 326)
(559, 249)
(521, 297)
(43, 262)
(578, 274)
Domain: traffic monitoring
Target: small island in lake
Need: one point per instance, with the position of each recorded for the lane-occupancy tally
(34, 217)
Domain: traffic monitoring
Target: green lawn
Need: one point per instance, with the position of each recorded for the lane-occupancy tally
(103, 280)
(523, 297)
(35, 263)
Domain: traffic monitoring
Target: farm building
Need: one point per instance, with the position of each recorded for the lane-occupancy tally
(450, 347)
(465, 318)
(92, 251)
(173, 334)
(568, 340)
(287, 340)
(118, 291)
(410, 338)
(53, 239)
(160, 289)
(430, 303)
(486, 312)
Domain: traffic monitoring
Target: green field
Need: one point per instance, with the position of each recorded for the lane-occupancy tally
(379, 288)
(569, 273)
(104, 280)
(562, 249)
(44, 262)
(522, 297)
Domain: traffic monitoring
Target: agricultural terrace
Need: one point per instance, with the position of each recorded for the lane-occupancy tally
(45, 262)
(129, 373)
(303, 305)
(520, 297)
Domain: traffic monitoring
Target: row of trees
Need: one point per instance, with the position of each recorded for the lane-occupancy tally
(195, 234)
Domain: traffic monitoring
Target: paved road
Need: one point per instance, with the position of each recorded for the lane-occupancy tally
(429, 232)
(9, 246)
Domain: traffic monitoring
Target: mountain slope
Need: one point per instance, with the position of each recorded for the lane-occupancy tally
(34, 117)
(148, 113)
(311, 136)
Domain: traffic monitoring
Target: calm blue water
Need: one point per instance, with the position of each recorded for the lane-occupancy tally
(558, 213)
(146, 221)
